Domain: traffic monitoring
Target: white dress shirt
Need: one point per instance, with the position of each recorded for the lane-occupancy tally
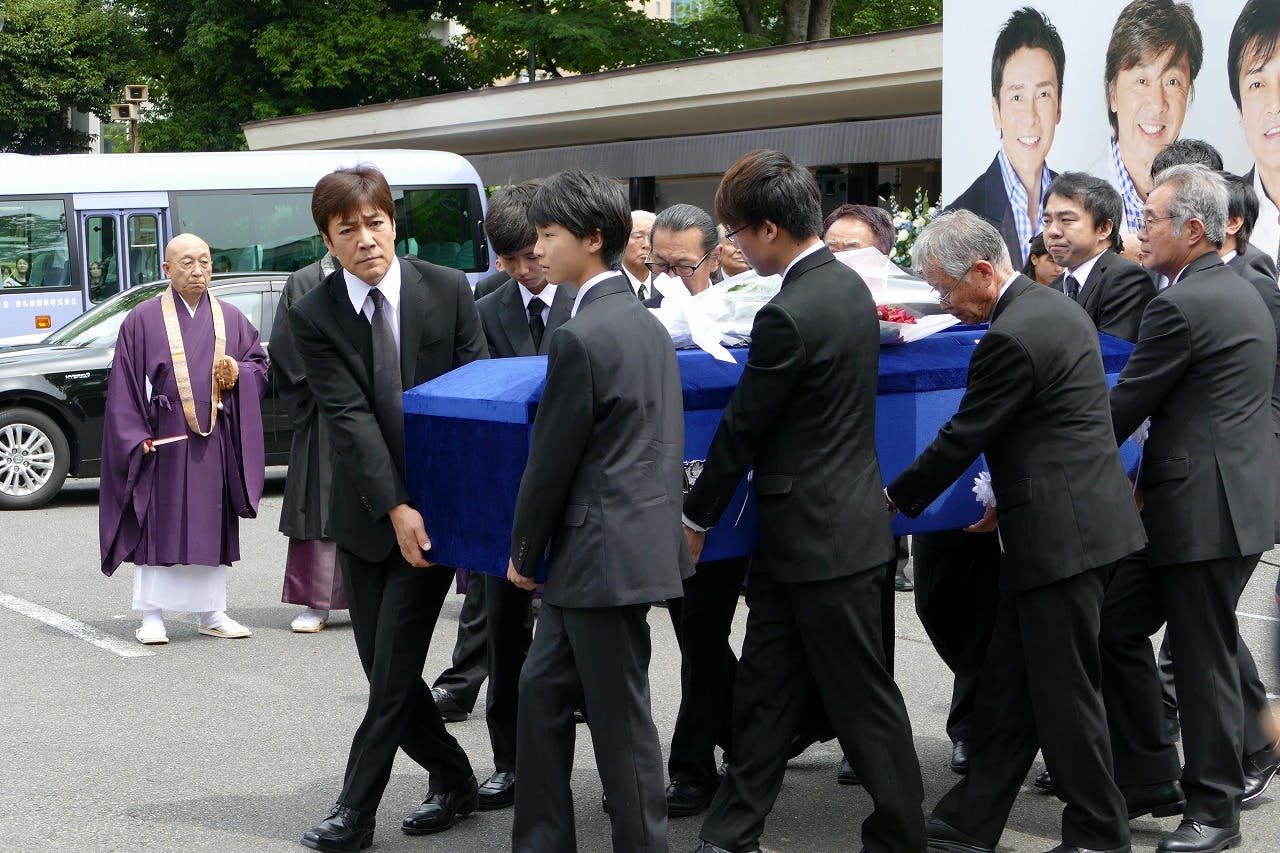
(804, 253)
(1081, 273)
(547, 296)
(587, 285)
(358, 293)
(635, 282)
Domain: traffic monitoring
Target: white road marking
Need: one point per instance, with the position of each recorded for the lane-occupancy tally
(1256, 616)
(75, 628)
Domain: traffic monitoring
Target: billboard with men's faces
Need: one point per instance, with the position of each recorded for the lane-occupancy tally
(1101, 86)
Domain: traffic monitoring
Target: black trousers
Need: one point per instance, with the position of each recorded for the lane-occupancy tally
(703, 619)
(596, 659)
(466, 675)
(509, 621)
(394, 608)
(957, 596)
(1040, 688)
(1198, 602)
(827, 633)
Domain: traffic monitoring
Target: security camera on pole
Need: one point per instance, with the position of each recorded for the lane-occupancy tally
(128, 111)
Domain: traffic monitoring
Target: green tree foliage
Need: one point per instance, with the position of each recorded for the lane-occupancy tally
(219, 63)
(784, 21)
(56, 56)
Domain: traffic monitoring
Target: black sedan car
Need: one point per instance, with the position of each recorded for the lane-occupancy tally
(52, 393)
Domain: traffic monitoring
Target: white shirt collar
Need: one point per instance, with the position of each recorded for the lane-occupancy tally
(590, 283)
(1266, 231)
(1081, 273)
(635, 282)
(358, 291)
(1008, 281)
(804, 253)
(1230, 256)
(548, 295)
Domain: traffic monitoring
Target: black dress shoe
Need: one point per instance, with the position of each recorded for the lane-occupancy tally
(1259, 770)
(498, 791)
(1194, 837)
(944, 836)
(805, 739)
(846, 775)
(450, 710)
(1071, 848)
(344, 829)
(708, 847)
(960, 757)
(902, 583)
(1159, 800)
(579, 716)
(685, 798)
(441, 809)
(1043, 783)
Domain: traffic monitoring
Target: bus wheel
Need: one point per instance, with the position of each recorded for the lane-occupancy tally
(34, 458)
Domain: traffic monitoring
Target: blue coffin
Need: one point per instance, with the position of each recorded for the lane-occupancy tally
(467, 437)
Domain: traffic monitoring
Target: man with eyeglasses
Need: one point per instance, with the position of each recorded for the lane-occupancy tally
(1202, 371)
(1035, 403)
(636, 253)
(684, 245)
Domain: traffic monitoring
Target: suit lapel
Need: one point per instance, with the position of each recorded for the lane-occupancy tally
(354, 326)
(1088, 287)
(514, 319)
(609, 287)
(560, 308)
(413, 312)
(1016, 289)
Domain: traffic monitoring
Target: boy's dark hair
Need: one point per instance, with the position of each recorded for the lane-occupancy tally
(583, 202)
(1031, 28)
(877, 219)
(1257, 31)
(1152, 26)
(767, 184)
(1242, 201)
(507, 222)
(1181, 151)
(1098, 198)
(343, 192)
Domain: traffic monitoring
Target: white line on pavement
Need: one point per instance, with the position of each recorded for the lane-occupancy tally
(1256, 616)
(75, 628)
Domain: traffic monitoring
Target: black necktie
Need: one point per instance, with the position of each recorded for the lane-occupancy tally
(1073, 288)
(536, 326)
(387, 406)
(640, 294)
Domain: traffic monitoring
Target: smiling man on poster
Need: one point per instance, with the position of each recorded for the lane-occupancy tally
(1253, 73)
(1026, 105)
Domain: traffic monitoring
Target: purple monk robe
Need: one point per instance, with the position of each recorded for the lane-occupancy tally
(180, 504)
(467, 438)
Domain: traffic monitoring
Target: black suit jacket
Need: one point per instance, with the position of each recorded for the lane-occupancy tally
(490, 283)
(1035, 403)
(987, 198)
(606, 466)
(506, 322)
(439, 330)
(803, 415)
(1203, 371)
(1254, 265)
(1114, 295)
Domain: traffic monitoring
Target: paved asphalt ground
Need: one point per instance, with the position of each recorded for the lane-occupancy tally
(239, 745)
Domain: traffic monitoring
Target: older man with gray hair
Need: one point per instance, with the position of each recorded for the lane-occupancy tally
(1202, 371)
(1035, 403)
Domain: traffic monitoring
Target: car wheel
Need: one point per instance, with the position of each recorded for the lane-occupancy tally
(34, 458)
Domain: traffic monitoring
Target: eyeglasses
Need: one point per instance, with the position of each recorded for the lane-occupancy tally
(1144, 223)
(734, 233)
(681, 270)
(945, 295)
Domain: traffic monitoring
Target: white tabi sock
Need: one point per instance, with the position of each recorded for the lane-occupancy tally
(153, 619)
(212, 618)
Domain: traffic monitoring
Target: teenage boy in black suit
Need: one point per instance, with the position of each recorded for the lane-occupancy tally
(378, 325)
(602, 492)
(803, 415)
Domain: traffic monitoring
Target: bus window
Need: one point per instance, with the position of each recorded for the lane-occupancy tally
(100, 249)
(441, 225)
(144, 248)
(250, 232)
(33, 244)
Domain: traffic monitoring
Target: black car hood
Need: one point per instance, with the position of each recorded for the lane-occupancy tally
(43, 359)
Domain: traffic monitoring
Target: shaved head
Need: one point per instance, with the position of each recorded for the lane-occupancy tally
(188, 265)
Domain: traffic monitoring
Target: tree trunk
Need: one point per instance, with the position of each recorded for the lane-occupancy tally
(795, 19)
(749, 13)
(820, 19)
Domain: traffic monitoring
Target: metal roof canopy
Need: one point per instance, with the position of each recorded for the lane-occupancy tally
(808, 85)
(875, 141)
